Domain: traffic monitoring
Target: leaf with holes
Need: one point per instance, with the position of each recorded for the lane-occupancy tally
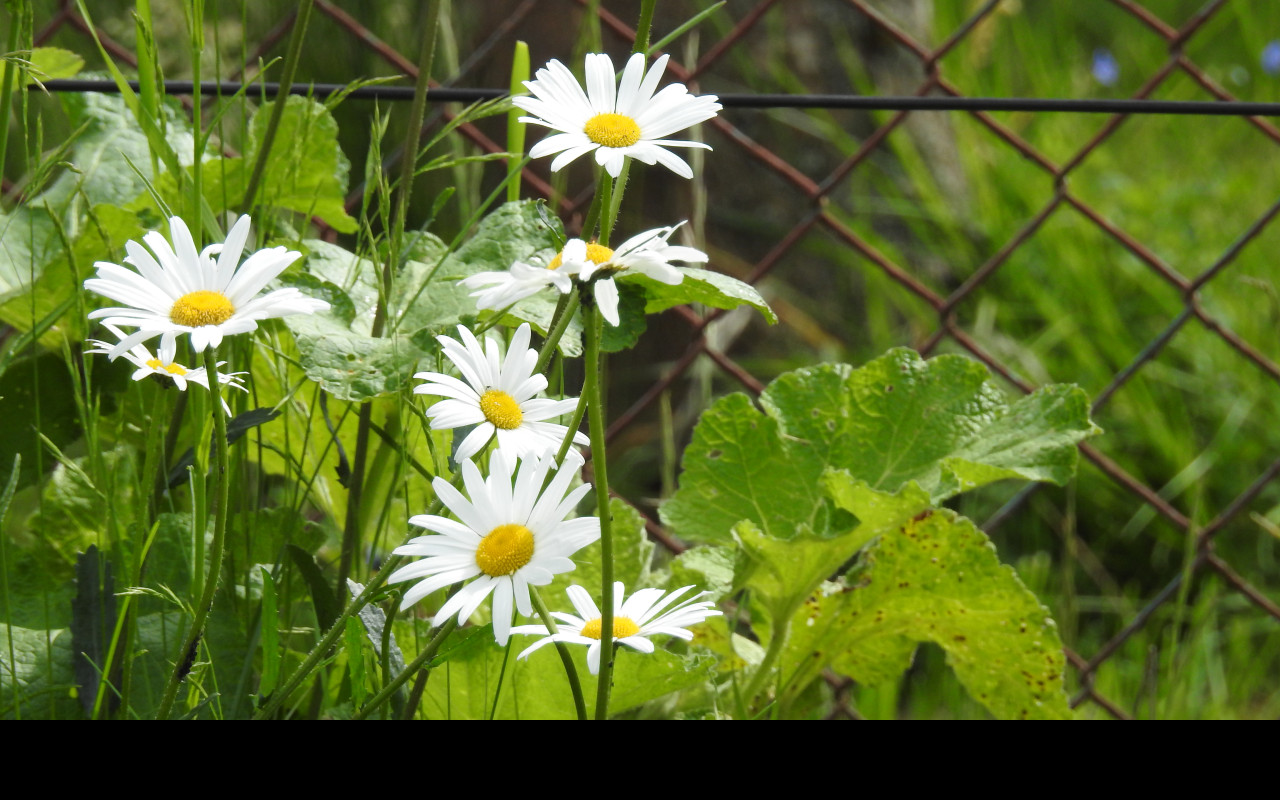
(929, 576)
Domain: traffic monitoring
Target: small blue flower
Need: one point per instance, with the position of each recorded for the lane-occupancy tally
(1105, 69)
(1271, 57)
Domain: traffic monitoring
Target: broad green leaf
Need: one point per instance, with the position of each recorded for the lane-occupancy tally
(306, 170)
(40, 672)
(512, 232)
(102, 154)
(701, 286)
(335, 347)
(28, 240)
(708, 568)
(50, 63)
(780, 573)
(939, 423)
(354, 367)
(631, 321)
(933, 577)
(738, 467)
(536, 688)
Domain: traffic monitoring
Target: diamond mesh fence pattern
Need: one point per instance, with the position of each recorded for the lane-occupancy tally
(868, 230)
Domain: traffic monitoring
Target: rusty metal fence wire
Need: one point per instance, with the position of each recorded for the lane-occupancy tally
(813, 196)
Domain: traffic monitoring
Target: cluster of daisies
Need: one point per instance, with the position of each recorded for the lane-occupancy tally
(511, 529)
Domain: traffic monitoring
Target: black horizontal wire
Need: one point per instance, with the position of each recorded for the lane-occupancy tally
(821, 101)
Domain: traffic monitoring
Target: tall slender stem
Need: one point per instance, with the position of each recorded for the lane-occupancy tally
(644, 26)
(339, 625)
(223, 490)
(594, 395)
(277, 111)
(559, 324)
(571, 671)
(428, 653)
(408, 163)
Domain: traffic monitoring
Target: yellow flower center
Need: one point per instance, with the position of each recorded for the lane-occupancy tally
(501, 409)
(172, 369)
(612, 130)
(201, 308)
(596, 254)
(622, 628)
(506, 549)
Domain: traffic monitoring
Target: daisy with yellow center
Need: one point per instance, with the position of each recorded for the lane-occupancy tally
(635, 619)
(497, 396)
(617, 122)
(163, 363)
(511, 534)
(180, 290)
(646, 254)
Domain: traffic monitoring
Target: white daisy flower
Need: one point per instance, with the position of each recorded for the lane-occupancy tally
(497, 290)
(509, 537)
(189, 292)
(629, 121)
(645, 254)
(634, 620)
(497, 397)
(164, 364)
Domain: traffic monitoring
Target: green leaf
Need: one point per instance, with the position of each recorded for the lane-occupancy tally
(102, 153)
(708, 568)
(780, 573)
(306, 170)
(631, 319)
(536, 688)
(738, 467)
(513, 232)
(38, 683)
(700, 286)
(354, 367)
(931, 577)
(50, 63)
(939, 423)
(28, 240)
(334, 346)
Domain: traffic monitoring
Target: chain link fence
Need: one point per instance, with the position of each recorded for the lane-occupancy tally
(801, 198)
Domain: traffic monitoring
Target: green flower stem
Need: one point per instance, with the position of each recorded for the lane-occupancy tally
(571, 671)
(591, 390)
(408, 163)
(599, 203)
(277, 111)
(318, 652)
(559, 324)
(644, 26)
(223, 489)
(574, 424)
(615, 203)
(770, 656)
(9, 77)
(428, 653)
